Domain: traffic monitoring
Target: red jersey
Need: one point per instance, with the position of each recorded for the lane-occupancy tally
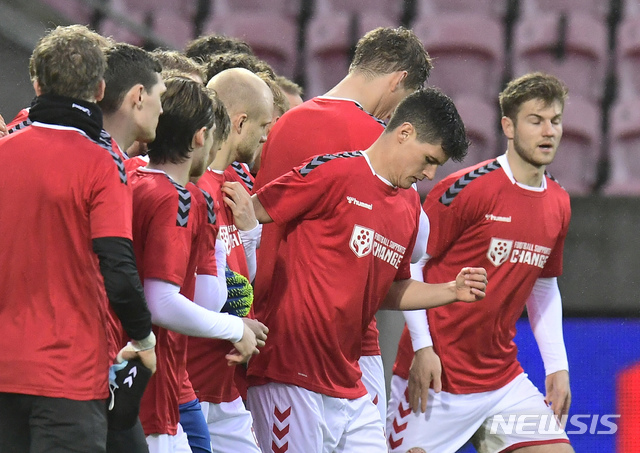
(19, 122)
(320, 125)
(349, 235)
(241, 173)
(480, 217)
(211, 377)
(166, 223)
(72, 191)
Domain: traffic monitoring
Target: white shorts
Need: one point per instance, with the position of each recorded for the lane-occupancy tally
(166, 443)
(512, 416)
(373, 379)
(230, 426)
(296, 420)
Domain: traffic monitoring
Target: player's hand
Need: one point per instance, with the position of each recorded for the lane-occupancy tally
(471, 284)
(425, 369)
(147, 357)
(240, 294)
(238, 199)
(254, 336)
(559, 394)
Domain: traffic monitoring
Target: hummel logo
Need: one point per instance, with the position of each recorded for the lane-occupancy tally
(497, 218)
(129, 379)
(79, 107)
(352, 200)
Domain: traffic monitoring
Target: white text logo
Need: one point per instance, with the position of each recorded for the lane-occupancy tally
(497, 218)
(352, 200)
(548, 424)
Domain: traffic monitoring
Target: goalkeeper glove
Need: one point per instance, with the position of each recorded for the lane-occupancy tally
(240, 294)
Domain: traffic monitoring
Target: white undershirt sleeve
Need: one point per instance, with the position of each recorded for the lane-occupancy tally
(173, 311)
(544, 307)
(250, 240)
(416, 320)
(420, 248)
(211, 290)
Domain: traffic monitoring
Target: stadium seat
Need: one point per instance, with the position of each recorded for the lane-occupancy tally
(481, 123)
(628, 56)
(598, 9)
(290, 8)
(390, 8)
(578, 158)
(75, 11)
(432, 8)
(624, 151)
(572, 47)
(174, 29)
(467, 52)
(329, 41)
(273, 37)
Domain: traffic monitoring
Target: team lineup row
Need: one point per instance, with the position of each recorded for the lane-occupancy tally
(210, 261)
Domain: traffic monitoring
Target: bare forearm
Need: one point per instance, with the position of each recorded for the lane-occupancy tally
(261, 212)
(414, 295)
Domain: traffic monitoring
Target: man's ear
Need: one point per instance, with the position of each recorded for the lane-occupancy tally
(239, 121)
(199, 138)
(404, 132)
(99, 94)
(36, 87)
(397, 80)
(508, 127)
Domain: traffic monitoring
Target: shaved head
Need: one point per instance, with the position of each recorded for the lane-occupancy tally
(249, 102)
(241, 91)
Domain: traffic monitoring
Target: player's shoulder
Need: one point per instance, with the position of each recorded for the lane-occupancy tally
(554, 186)
(331, 164)
(461, 183)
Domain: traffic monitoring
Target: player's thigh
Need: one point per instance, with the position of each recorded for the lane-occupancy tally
(520, 419)
(448, 423)
(287, 414)
(364, 430)
(230, 427)
(14, 422)
(62, 425)
(546, 448)
(373, 379)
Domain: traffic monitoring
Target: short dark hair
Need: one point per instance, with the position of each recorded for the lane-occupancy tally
(186, 107)
(227, 60)
(69, 61)
(535, 85)
(435, 119)
(385, 50)
(127, 66)
(202, 48)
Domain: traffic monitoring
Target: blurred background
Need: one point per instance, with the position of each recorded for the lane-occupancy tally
(477, 46)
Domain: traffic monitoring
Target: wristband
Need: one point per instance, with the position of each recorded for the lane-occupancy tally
(144, 344)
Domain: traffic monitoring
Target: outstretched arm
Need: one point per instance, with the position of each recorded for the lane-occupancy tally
(469, 286)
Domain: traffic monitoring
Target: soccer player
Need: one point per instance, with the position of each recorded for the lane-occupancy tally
(131, 104)
(65, 201)
(249, 103)
(388, 64)
(203, 47)
(351, 225)
(173, 234)
(511, 217)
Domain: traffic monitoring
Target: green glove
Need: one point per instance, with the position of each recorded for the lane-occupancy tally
(240, 294)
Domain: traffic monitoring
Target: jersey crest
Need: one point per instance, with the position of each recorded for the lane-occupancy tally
(499, 251)
(319, 160)
(361, 240)
(455, 188)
